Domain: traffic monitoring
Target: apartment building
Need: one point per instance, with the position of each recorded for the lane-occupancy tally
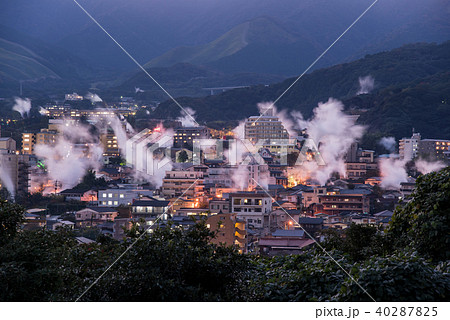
(185, 137)
(177, 183)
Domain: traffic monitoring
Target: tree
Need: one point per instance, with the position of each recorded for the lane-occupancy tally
(183, 156)
(11, 218)
(424, 222)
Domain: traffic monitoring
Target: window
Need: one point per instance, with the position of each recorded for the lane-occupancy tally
(116, 203)
(237, 201)
(122, 195)
(104, 195)
(109, 195)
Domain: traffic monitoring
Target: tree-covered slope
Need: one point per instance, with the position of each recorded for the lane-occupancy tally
(415, 73)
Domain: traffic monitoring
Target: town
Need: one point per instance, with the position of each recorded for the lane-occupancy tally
(267, 187)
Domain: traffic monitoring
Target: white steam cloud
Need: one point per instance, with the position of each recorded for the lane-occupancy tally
(425, 167)
(7, 182)
(23, 106)
(393, 173)
(137, 90)
(366, 84)
(93, 97)
(388, 143)
(75, 152)
(333, 132)
(188, 120)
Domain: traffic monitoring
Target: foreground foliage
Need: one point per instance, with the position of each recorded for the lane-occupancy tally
(404, 263)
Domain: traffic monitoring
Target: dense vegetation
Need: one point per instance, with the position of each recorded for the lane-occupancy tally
(408, 262)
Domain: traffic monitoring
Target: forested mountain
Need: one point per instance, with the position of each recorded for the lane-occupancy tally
(411, 88)
(150, 28)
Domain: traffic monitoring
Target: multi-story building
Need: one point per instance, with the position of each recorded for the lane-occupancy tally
(345, 201)
(252, 207)
(110, 144)
(408, 147)
(185, 137)
(433, 149)
(264, 127)
(150, 209)
(14, 168)
(219, 206)
(44, 137)
(123, 195)
(177, 183)
(231, 230)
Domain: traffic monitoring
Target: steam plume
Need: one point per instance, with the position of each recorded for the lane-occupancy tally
(366, 84)
(93, 97)
(6, 179)
(425, 167)
(188, 120)
(388, 143)
(74, 153)
(393, 172)
(23, 106)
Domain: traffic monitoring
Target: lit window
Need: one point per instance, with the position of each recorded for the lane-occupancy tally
(110, 195)
(122, 195)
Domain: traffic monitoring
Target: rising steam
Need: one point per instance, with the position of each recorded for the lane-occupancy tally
(366, 84)
(388, 143)
(23, 106)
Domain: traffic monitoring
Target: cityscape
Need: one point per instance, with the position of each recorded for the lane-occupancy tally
(129, 193)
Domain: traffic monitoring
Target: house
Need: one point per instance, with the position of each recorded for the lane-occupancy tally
(85, 195)
(311, 225)
(284, 242)
(93, 216)
(62, 224)
(150, 208)
(122, 195)
(111, 173)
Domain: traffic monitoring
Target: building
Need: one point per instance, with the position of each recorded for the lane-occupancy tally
(283, 242)
(110, 144)
(345, 201)
(219, 206)
(311, 225)
(177, 183)
(84, 194)
(149, 209)
(185, 137)
(252, 207)
(264, 127)
(93, 216)
(433, 149)
(44, 137)
(123, 195)
(408, 147)
(14, 168)
(73, 97)
(230, 230)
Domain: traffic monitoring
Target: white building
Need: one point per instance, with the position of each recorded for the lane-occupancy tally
(252, 207)
(408, 148)
(124, 195)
